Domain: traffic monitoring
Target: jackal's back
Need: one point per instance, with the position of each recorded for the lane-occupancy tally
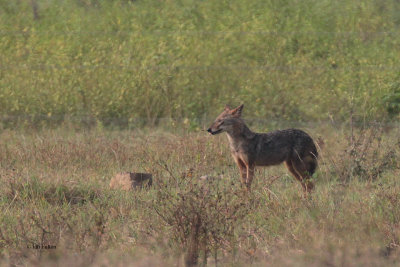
(283, 145)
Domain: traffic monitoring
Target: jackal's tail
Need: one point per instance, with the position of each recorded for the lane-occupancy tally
(312, 159)
(302, 162)
(311, 164)
(306, 160)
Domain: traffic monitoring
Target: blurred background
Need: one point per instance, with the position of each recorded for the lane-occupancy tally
(132, 63)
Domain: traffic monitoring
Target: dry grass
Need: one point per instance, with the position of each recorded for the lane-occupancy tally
(56, 192)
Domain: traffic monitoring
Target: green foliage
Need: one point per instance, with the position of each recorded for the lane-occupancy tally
(392, 100)
(128, 60)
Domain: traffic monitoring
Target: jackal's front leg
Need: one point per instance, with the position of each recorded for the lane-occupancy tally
(242, 169)
(250, 175)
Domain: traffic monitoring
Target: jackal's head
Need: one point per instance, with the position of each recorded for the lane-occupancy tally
(226, 120)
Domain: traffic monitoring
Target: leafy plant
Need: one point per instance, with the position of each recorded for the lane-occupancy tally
(392, 100)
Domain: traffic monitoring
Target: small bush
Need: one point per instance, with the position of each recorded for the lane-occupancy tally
(366, 156)
(392, 100)
(202, 215)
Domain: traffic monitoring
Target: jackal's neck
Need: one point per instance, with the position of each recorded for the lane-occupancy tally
(239, 132)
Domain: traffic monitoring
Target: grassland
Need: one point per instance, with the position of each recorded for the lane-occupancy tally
(55, 191)
(71, 70)
(133, 61)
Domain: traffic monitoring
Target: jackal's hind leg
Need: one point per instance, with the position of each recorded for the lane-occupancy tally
(302, 169)
(300, 175)
(291, 169)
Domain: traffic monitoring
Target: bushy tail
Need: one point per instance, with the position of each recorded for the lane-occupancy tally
(312, 160)
(309, 160)
(312, 166)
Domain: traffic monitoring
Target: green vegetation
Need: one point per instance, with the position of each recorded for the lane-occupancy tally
(133, 61)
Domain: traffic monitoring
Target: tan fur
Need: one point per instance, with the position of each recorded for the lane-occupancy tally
(292, 146)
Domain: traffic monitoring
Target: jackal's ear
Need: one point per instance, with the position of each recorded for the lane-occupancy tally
(237, 111)
(227, 108)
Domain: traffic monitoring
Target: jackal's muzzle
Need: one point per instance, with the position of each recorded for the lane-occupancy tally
(215, 132)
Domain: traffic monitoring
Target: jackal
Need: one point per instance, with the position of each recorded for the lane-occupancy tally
(292, 146)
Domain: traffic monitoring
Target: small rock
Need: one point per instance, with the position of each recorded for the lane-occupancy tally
(131, 180)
